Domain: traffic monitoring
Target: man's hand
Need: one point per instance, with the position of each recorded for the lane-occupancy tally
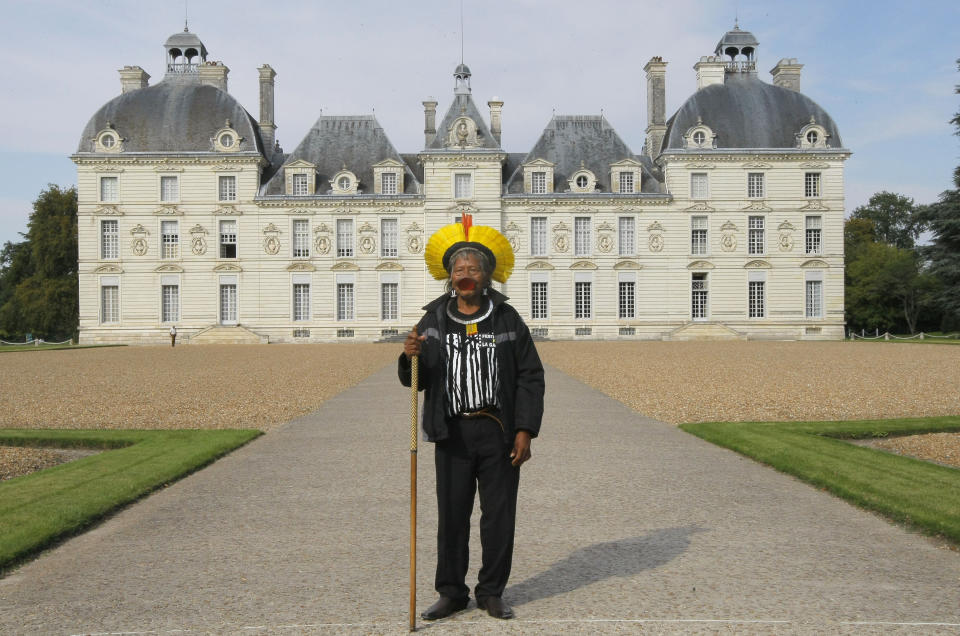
(411, 346)
(521, 448)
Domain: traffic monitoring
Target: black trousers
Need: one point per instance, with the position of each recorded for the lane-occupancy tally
(475, 457)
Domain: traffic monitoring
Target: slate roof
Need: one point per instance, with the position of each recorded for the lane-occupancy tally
(737, 38)
(172, 116)
(355, 141)
(746, 112)
(463, 105)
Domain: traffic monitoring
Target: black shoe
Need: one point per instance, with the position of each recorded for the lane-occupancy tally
(445, 606)
(495, 607)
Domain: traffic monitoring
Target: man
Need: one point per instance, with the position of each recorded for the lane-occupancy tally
(483, 402)
(173, 335)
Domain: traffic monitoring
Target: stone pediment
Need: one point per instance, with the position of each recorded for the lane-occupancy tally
(700, 206)
(815, 204)
(758, 263)
(815, 262)
(300, 163)
(228, 267)
(169, 268)
(701, 264)
(583, 265)
(389, 266)
(108, 268)
(627, 264)
(625, 162)
(540, 265)
(108, 210)
(759, 206)
(227, 210)
(301, 266)
(344, 266)
(539, 163)
(389, 162)
(463, 208)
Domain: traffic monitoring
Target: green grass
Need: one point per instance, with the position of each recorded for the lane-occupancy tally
(52, 347)
(39, 509)
(918, 493)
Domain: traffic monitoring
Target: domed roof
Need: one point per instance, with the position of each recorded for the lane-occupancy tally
(184, 38)
(745, 112)
(462, 69)
(172, 116)
(737, 38)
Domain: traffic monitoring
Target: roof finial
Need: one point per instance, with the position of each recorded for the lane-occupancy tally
(461, 31)
(186, 14)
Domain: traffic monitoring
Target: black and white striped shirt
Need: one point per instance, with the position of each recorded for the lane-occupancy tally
(472, 380)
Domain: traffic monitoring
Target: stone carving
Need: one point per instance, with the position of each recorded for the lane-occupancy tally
(198, 244)
(271, 241)
(785, 240)
(656, 242)
(462, 133)
(512, 232)
(561, 238)
(139, 243)
(321, 239)
(728, 238)
(604, 243)
(367, 244)
(414, 238)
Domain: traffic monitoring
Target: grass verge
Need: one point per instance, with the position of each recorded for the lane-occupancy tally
(53, 347)
(39, 509)
(918, 493)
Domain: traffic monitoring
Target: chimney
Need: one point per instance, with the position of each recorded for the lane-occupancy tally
(132, 78)
(214, 74)
(656, 70)
(429, 120)
(268, 130)
(710, 70)
(786, 73)
(496, 108)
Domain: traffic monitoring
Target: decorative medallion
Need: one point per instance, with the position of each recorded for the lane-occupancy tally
(728, 242)
(561, 239)
(512, 232)
(321, 239)
(785, 241)
(198, 244)
(139, 243)
(367, 242)
(656, 242)
(414, 238)
(462, 133)
(271, 241)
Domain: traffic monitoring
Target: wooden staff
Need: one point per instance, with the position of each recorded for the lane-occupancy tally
(414, 381)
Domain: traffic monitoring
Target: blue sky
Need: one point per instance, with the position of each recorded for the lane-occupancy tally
(885, 71)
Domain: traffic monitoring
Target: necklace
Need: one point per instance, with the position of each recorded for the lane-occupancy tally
(471, 321)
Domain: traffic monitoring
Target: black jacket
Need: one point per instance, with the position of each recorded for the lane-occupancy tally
(521, 373)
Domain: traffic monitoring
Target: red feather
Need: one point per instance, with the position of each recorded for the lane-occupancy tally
(467, 222)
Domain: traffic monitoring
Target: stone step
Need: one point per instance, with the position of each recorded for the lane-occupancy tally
(228, 335)
(704, 331)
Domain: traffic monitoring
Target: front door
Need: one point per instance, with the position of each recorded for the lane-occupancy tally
(228, 304)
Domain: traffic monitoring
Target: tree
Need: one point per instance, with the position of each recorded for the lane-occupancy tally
(894, 217)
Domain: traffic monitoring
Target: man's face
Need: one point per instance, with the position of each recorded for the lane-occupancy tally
(467, 277)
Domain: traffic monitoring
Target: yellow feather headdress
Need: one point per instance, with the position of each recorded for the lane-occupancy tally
(455, 236)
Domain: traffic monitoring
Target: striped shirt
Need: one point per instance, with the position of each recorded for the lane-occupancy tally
(472, 381)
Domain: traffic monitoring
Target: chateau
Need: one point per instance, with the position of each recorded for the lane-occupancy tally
(728, 223)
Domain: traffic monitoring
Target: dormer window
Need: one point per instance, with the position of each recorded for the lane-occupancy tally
(344, 182)
(108, 140)
(538, 176)
(388, 177)
(538, 183)
(626, 183)
(227, 139)
(300, 178)
(699, 137)
(300, 185)
(388, 183)
(625, 176)
(582, 180)
(813, 135)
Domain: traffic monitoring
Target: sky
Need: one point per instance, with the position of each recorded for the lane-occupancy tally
(885, 71)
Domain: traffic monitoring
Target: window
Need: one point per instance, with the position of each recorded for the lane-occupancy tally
(227, 188)
(755, 235)
(463, 186)
(301, 238)
(699, 137)
(698, 296)
(108, 141)
(814, 301)
(627, 299)
(626, 183)
(300, 185)
(388, 183)
(812, 137)
(228, 239)
(344, 238)
(343, 183)
(538, 183)
(301, 301)
(538, 300)
(698, 235)
(227, 140)
(388, 237)
(538, 236)
(581, 236)
(389, 301)
(756, 299)
(811, 184)
(109, 240)
(169, 239)
(109, 189)
(582, 181)
(627, 236)
(755, 185)
(699, 185)
(344, 301)
(583, 307)
(169, 189)
(812, 244)
(169, 303)
(109, 303)
(228, 303)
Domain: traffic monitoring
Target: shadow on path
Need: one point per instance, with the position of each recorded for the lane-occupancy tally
(620, 558)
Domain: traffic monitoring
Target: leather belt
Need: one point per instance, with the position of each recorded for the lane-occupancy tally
(484, 413)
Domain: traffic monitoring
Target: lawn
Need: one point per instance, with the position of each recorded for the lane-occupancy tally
(42, 508)
(50, 347)
(917, 493)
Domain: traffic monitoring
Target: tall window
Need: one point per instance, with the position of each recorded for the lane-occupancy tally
(345, 301)
(756, 299)
(538, 236)
(389, 301)
(169, 303)
(699, 185)
(812, 242)
(583, 303)
(814, 302)
(755, 185)
(811, 184)
(538, 183)
(463, 185)
(755, 235)
(538, 300)
(228, 303)
(301, 301)
(698, 235)
(627, 236)
(698, 296)
(626, 183)
(109, 239)
(581, 236)
(110, 303)
(169, 189)
(228, 239)
(388, 237)
(227, 187)
(627, 299)
(169, 239)
(344, 237)
(109, 189)
(388, 183)
(301, 238)
(300, 185)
